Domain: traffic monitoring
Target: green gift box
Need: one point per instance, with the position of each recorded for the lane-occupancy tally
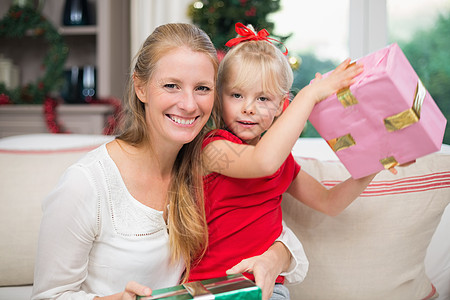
(232, 287)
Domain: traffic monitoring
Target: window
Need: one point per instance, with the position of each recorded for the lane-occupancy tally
(327, 31)
(421, 28)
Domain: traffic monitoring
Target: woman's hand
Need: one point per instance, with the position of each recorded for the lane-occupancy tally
(132, 290)
(265, 267)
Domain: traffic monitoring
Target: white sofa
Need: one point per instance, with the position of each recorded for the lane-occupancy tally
(391, 243)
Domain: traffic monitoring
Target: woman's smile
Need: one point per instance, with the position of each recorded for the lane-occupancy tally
(182, 120)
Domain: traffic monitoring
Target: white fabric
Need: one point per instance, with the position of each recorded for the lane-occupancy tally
(299, 263)
(52, 142)
(95, 237)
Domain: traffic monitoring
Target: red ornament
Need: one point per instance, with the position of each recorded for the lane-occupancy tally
(16, 14)
(4, 99)
(251, 12)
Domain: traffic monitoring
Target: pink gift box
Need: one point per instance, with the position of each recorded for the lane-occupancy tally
(386, 117)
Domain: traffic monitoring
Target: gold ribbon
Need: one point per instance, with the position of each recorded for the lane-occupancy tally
(345, 96)
(410, 116)
(342, 142)
(198, 291)
(389, 162)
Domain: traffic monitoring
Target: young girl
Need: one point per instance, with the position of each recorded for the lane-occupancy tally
(247, 172)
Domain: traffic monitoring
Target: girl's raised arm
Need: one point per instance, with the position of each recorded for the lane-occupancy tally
(264, 159)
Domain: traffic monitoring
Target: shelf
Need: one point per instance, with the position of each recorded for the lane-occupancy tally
(105, 45)
(78, 30)
(77, 118)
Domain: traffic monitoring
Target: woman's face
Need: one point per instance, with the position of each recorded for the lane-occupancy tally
(179, 97)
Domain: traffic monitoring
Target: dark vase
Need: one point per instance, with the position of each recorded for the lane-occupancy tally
(76, 12)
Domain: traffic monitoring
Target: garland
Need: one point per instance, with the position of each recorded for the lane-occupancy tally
(54, 126)
(22, 21)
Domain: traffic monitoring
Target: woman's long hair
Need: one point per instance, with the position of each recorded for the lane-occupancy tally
(188, 232)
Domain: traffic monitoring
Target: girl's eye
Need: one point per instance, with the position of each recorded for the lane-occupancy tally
(262, 99)
(237, 96)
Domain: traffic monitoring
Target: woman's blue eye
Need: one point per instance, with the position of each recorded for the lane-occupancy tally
(170, 85)
(203, 88)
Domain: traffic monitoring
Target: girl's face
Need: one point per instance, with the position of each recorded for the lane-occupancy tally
(249, 111)
(179, 97)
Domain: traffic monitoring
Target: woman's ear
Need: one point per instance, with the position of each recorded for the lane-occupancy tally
(139, 88)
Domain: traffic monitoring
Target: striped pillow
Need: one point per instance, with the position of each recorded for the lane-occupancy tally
(376, 248)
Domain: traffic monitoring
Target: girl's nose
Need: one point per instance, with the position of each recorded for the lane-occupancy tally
(248, 107)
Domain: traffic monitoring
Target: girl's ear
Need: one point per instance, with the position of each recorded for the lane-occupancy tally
(140, 90)
(282, 106)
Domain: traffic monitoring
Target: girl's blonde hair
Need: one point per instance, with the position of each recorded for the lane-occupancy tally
(188, 232)
(254, 61)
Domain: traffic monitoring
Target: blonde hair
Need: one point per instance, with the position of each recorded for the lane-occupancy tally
(253, 61)
(188, 232)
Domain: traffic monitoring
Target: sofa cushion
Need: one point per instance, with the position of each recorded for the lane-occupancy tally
(30, 167)
(375, 249)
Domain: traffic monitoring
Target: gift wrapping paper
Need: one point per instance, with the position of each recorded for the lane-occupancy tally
(386, 118)
(232, 287)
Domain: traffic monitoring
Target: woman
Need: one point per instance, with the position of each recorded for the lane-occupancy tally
(130, 213)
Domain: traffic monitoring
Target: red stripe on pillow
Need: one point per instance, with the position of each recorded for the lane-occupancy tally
(432, 294)
(411, 184)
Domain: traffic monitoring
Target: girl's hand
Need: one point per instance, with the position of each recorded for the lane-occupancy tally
(394, 171)
(342, 77)
(132, 290)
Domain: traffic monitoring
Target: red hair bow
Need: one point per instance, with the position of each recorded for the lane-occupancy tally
(246, 34)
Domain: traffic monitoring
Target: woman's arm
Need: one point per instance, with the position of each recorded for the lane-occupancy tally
(265, 267)
(285, 257)
(312, 193)
(246, 161)
(67, 230)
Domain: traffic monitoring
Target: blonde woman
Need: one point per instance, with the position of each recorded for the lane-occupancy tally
(129, 216)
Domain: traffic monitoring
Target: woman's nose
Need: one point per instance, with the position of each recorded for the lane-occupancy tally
(188, 102)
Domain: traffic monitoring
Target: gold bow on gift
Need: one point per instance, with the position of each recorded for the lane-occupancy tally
(392, 123)
(410, 116)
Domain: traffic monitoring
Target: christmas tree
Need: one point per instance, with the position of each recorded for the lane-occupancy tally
(218, 17)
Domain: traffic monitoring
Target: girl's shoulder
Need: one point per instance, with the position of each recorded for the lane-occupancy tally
(220, 134)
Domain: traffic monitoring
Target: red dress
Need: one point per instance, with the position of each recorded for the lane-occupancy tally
(244, 215)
